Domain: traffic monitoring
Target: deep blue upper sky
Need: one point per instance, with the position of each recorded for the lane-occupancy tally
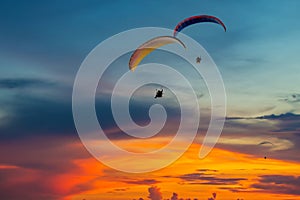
(51, 38)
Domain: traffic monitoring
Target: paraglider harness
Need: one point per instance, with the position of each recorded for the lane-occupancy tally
(159, 93)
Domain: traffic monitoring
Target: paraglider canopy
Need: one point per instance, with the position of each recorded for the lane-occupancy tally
(197, 19)
(266, 143)
(142, 51)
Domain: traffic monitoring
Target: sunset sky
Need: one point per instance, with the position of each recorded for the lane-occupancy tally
(42, 45)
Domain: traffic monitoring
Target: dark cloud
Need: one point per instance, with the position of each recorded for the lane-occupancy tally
(14, 188)
(139, 106)
(279, 184)
(40, 163)
(142, 182)
(50, 153)
(214, 196)
(284, 116)
(174, 196)
(206, 179)
(286, 122)
(21, 83)
(237, 118)
(118, 190)
(30, 115)
(290, 123)
(207, 170)
(292, 98)
(234, 189)
(121, 189)
(38, 137)
(154, 193)
(280, 129)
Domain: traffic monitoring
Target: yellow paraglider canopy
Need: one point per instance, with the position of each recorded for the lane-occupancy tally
(142, 51)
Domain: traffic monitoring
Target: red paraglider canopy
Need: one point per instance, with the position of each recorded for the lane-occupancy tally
(197, 19)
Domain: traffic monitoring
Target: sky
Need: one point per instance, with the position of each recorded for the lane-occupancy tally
(43, 44)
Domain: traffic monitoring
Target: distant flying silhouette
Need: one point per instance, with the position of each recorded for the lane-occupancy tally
(159, 93)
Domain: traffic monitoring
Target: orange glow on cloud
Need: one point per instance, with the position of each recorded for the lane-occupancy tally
(8, 167)
(105, 183)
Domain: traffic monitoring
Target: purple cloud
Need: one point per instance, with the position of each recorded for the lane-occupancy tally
(279, 184)
(154, 193)
(142, 182)
(204, 179)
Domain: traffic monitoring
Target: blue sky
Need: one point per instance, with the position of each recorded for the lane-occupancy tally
(257, 54)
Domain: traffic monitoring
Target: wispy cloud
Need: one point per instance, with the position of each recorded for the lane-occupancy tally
(142, 182)
(206, 179)
(207, 170)
(279, 184)
(277, 144)
(284, 122)
(284, 116)
(292, 98)
(21, 83)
